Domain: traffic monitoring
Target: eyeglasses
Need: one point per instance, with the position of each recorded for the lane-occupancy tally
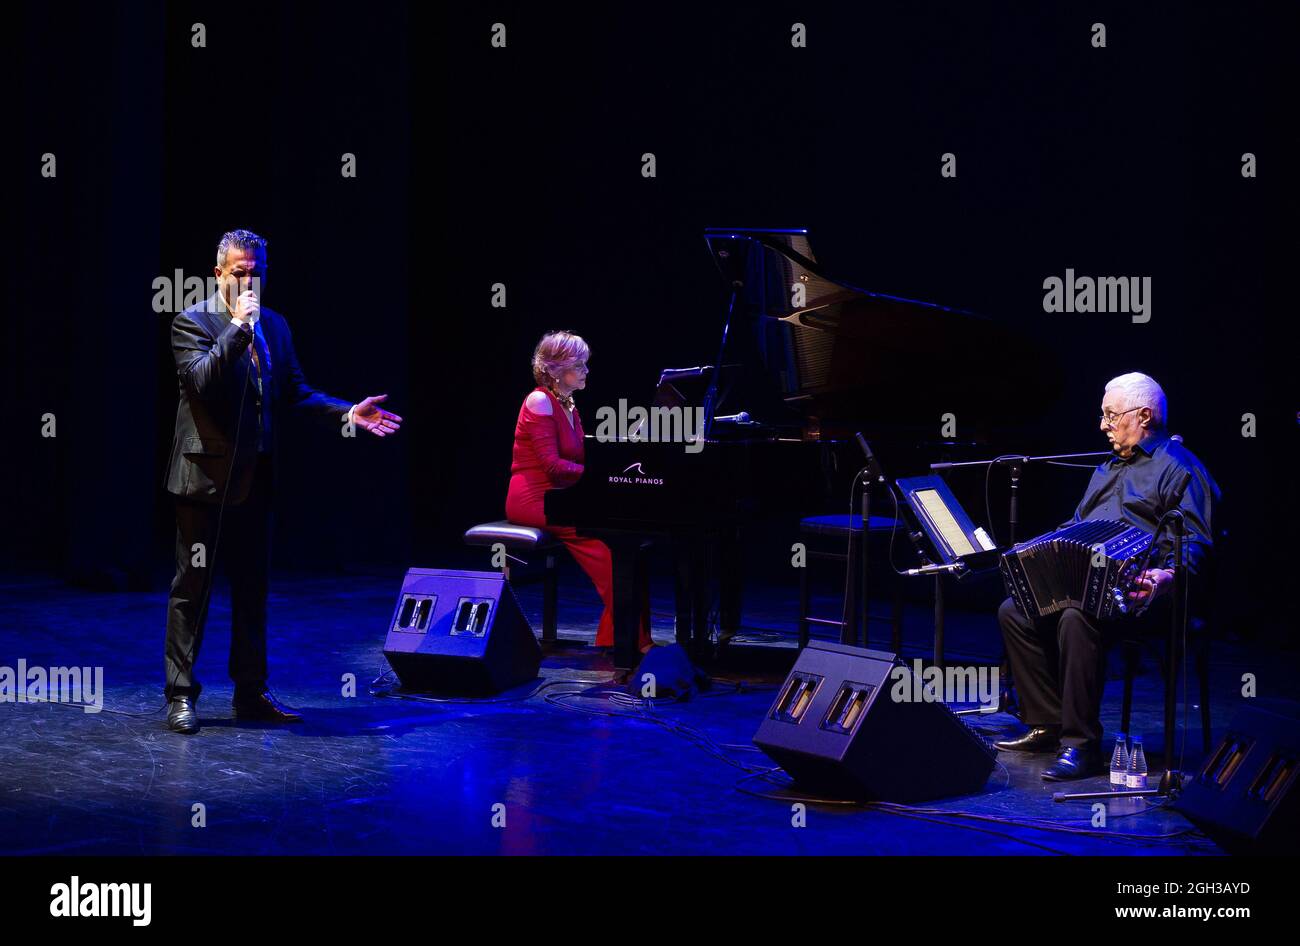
(1110, 419)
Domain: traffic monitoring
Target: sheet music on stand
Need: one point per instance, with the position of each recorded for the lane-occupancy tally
(951, 532)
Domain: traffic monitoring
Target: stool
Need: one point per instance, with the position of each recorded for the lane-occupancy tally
(520, 540)
(844, 534)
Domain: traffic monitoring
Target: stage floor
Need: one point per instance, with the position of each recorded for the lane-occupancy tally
(375, 775)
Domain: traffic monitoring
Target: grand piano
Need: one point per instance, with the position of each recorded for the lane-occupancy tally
(805, 361)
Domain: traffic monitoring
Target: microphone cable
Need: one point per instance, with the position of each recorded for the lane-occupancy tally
(211, 565)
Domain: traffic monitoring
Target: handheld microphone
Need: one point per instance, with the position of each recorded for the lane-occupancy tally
(741, 418)
(252, 284)
(872, 471)
(955, 568)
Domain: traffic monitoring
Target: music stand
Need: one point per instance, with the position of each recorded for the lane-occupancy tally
(945, 523)
(959, 544)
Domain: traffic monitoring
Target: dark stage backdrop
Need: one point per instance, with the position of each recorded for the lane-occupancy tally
(160, 147)
(1122, 160)
(522, 165)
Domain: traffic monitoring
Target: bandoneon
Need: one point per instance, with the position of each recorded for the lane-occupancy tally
(1088, 565)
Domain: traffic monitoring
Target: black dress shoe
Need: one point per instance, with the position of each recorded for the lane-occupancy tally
(1037, 739)
(182, 716)
(263, 707)
(1074, 762)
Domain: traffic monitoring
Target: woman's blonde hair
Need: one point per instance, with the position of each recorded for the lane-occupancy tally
(556, 353)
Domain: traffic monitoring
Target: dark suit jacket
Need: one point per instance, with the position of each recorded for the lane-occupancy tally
(212, 367)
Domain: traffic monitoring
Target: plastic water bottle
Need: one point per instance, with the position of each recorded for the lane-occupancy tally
(1137, 766)
(1119, 764)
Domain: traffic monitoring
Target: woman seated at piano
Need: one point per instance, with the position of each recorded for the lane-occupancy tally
(548, 454)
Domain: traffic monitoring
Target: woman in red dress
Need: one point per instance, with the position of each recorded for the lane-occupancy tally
(548, 454)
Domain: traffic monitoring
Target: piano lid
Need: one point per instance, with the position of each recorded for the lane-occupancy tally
(848, 358)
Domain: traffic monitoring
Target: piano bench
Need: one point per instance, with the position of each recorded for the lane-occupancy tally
(519, 541)
(840, 539)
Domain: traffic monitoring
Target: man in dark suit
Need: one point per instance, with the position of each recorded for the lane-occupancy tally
(237, 372)
(1059, 663)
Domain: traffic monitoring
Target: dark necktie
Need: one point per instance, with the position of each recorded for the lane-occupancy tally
(261, 357)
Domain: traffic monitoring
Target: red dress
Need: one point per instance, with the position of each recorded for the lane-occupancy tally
(548, 455)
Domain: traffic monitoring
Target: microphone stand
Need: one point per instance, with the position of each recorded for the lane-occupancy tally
(711, 393)
(871, 475)
(1171, 782)
(1015, 466)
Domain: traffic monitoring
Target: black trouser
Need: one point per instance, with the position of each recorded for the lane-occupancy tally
(243, 552)
(1058, 664)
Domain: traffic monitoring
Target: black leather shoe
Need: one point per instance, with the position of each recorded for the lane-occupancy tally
(1074, 762)
(1037, 739)
(182, 717)
(263, 707)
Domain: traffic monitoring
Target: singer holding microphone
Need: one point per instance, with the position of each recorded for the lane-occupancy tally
(1059, 663)
(237, 373)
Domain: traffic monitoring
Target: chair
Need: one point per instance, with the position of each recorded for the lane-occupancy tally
(840, 538)
(1198, 636)
(1132, 647)
(518, 541)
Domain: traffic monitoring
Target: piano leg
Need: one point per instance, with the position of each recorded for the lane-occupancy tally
(731, 581)
(701, 595)
(629, 590)
(692, 591)
(683, 603)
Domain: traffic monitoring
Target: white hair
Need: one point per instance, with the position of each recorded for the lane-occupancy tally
(1141, 390)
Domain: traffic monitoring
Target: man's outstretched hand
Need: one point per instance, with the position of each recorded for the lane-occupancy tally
(375, 419)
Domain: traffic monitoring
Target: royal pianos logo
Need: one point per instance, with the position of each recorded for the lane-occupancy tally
(635, 475)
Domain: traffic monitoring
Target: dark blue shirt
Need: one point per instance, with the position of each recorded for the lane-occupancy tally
(1141, 488)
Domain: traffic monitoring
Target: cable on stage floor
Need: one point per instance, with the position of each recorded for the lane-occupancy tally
(102, 709)
(949, 817)
(393, 692)
(641, 708)
(941, 814)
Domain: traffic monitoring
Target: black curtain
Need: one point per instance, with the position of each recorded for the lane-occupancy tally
(479, 165)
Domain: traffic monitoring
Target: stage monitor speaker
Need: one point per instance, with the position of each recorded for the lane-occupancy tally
(1245, 795)
(461, 633)
(837, 729)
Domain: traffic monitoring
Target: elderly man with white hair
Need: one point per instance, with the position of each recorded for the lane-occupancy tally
(1059, 663)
